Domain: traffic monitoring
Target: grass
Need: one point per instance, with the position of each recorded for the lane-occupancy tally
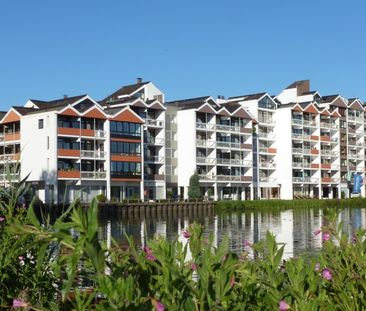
(288, 204)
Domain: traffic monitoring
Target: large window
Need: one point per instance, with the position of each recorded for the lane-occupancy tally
(65, 165)
(125, 169)
(69, 122)
(118, 147)
(65, 143)
(125, 129)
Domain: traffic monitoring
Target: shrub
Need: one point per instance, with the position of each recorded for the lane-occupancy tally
(101, 198)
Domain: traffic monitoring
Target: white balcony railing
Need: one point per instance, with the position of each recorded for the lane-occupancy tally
(154, 159)
(92, 154)
(204, 160)
(155, 123)
(93, 175)
(100, 133)
(206, 143)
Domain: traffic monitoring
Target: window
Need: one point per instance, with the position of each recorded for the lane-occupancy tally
(48, 142)
(125, 129)
(126, 169)
(119, 148)
(40, 123)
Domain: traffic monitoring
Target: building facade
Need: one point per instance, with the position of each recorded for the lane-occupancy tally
(132, 144)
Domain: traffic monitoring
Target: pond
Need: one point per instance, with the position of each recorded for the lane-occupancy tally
(295, 227)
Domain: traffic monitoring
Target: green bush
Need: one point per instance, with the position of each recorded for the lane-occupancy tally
(67, 256)
(101, 198)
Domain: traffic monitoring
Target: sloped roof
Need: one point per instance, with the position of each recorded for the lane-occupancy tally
(250, 96)
(190, 103)
(297, 84)
(125, 90)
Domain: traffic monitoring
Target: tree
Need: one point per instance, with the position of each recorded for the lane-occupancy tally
(194, 191)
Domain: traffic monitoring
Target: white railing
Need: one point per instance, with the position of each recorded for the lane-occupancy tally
(152, 122)
(227, 144)
(154, 141)
(270, 136)
(100, 133)
(156, 159)
(202, 160)
(326, 152)
(92, 154)
(310, 123)
(267, 179)
(206, 143)
(310, 180)
(93, 175)
(267, 165)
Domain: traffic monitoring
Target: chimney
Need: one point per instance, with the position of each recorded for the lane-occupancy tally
(138, 80)
(65, 96)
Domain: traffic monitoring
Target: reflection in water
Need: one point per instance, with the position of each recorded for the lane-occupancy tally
(294, 228)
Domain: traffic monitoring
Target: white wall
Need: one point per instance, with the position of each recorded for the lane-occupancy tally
(186, 120)
(288, 96)
(36, 158)
(284, 151)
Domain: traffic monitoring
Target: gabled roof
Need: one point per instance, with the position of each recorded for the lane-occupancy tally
(125, 91)
(255, 96)
(191, 102)
(355, 103)
(52, 104)
(124, 114)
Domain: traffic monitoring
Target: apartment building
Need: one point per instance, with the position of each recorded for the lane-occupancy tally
(214, 140)
(72, 148)
(263, 107)
(326, 146)
(147, 101)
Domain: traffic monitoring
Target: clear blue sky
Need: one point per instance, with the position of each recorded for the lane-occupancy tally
(187, 48)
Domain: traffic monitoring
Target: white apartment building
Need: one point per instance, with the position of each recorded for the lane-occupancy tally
(322, 143)
(263, 107)
(214, 140)
(145, 99)
(66, 149)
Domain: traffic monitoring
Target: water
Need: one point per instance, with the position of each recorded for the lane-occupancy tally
(295, 228)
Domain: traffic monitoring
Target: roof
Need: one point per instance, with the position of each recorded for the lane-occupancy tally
(58, 103)
(250, 96)
(297, 84)
(329, 98)
(2, 114)
(125, 90)
(23, 110)
(190, 103)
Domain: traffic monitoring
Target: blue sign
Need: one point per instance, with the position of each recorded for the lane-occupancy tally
(357, 183)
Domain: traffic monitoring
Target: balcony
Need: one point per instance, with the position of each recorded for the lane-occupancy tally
(154, 177)
(12, 136)
(154, 123)
(100, 134)
(154, 159)
(267, 179)
(10, 157)
(69, 153)
(268, 150)
(154, 141)
(227, 145)
(206, 143)
(72, 174)
(68, 131)
(305, 180)
(93, 175)
(10, 177)
(267, 165)
(266, 136)
(204, 160)
(95, 154)
(224, 178)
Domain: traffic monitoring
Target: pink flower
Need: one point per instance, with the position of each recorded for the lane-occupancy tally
(193, 267)
(232, 282)
(246, 243)
(354, 238)
(326, 236)
(17, 303)
(317, 267)
(283, 306)
(2, 219)
(149, 253)
(159, 306)
(317, 231)
(327, 274)
(186, 234)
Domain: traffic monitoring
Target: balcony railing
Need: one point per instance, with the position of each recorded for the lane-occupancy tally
(92, 154)
(206, 143)
(267, 165)
(10, 157)
(155, 123)
(227, 144)
(154, 159)
(269, 136)
(93, 175)
(225, 178)
(154, 141)
(100, 133)
(12, 136)
(308, 180)
(267, 179)
(204, 160)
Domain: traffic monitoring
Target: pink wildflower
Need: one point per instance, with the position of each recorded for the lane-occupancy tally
(317, 231)
(159, 306)
(246, 243)
(232, 282)
(193, 267)
(186, 234)
(327, 274)
(17, 303)
(149, 253)
(2, 218)
(283, 306)
(325, 236)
